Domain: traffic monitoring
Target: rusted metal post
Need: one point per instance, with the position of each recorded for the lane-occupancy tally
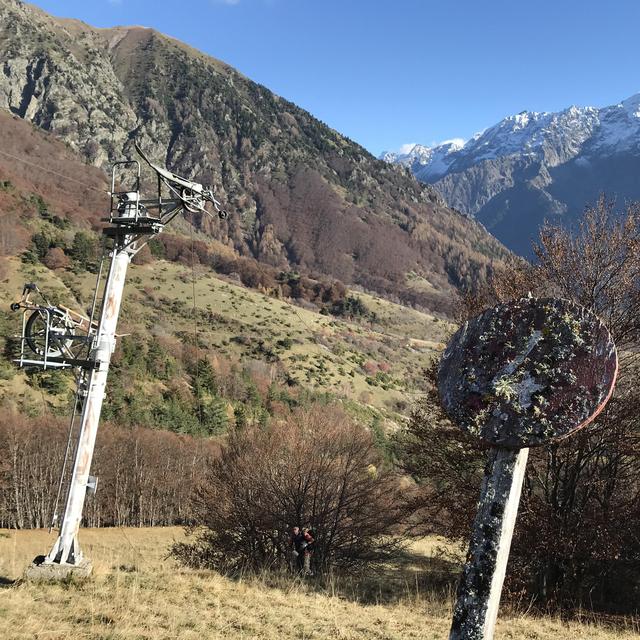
(480, 586)
(66, 549)
(132, 222)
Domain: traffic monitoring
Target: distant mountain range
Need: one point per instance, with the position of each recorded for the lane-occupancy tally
(535, 166)
(303, 197)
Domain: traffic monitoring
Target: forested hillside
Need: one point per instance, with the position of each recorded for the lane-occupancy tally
(302, 195)
(226, 324)
(211, 341)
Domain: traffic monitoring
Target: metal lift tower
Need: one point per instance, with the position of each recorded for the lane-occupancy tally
(54, 336)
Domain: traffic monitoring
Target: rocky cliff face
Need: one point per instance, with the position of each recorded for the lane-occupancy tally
(536, 166)
(60, 79)
(303, 196)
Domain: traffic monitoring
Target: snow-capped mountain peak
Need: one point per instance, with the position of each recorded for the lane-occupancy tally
(552, 138)
(434, 160)
(632, 105)
(535, 166)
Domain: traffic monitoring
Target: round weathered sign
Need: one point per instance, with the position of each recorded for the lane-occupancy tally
(527, 372)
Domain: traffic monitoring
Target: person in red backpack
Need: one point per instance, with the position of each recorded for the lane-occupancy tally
(309, 539)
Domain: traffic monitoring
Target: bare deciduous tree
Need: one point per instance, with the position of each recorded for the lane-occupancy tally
(146, 476)
(314, 469)
(576, 542)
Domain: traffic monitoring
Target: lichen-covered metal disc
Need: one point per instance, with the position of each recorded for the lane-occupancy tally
(528, 372)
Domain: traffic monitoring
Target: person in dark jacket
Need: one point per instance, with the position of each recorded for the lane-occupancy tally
(297, 545)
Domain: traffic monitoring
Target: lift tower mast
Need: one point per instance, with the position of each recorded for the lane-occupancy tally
(132, 222)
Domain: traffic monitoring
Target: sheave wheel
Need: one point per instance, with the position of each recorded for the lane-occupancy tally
(36, 333)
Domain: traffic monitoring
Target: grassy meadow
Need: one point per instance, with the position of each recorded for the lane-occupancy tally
(136, 592)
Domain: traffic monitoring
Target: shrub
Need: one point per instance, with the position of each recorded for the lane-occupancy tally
(85, 251)
(144, 256)
(350, 307)
(315, 469)
(56, 259)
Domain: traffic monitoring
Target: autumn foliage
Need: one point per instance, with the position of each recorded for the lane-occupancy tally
(145, 476)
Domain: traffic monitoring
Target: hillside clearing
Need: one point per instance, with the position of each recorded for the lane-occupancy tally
(376, 364)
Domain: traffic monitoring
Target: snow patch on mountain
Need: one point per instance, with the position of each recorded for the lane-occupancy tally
(428, 163)
(552, 138)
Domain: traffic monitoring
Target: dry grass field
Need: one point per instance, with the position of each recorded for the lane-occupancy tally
(136, 592)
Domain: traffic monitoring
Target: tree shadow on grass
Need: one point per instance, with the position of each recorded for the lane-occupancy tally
(410, 576)
(6, 582)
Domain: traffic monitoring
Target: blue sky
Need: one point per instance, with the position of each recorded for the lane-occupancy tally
(388, 72)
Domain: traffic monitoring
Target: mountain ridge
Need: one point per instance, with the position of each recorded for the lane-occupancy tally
(533, 166)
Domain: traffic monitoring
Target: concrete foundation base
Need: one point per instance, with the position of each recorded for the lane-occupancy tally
(39, 571)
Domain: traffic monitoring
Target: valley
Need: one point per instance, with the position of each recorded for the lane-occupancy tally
(274, 457)
(535, 167)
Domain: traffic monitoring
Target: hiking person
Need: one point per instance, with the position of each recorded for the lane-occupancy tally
(297, 544)
(308, 549)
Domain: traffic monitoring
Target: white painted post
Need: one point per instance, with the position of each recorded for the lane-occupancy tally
(66, 549)
(131, 224)
(478, 598)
